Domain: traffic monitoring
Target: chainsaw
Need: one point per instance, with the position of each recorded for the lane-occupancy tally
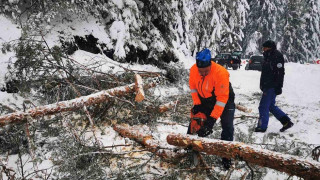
(197, 121)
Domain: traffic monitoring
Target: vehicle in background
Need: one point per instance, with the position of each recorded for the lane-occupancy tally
(227, 60)
(237, 53)
(255, 63)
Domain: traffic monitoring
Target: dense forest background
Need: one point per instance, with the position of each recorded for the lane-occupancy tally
(153, 31)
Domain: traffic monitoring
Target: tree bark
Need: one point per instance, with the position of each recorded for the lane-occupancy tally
(147, 141)
(242, 108)
(69, 105)
(293, 165)
(139, 88)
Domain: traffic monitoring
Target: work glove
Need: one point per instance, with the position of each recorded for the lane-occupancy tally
(196, 109)
(206, 129)
(278, 91)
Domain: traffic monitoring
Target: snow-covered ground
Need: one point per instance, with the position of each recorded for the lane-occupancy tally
(9, 32)
(300, 99)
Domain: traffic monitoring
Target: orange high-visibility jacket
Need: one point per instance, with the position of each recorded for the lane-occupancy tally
(217, 80)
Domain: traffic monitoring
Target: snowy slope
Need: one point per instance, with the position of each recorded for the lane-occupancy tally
(9, 32)
(300, 99)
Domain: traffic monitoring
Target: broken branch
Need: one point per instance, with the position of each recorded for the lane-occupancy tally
(146, 140)
(69, 105)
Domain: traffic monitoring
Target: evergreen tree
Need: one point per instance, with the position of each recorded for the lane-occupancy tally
(294, 38)
(218, 25)
(264, 23)
(238, 10)
(312, 17)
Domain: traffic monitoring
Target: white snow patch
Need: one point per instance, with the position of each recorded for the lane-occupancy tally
(117, 32)
(78, 27)
(90, 60)
(9, 32)
(118, 3)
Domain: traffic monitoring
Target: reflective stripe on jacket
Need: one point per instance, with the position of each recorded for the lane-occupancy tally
(216, 82)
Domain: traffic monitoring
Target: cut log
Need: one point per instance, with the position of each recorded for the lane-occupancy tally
(242, 108)
(69, 105)
(146, 140)
(139, 88)
(293, 165)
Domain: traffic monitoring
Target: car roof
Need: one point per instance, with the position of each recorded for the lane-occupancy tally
(256, 57)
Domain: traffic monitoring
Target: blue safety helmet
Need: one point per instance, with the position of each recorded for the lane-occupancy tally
(203, 58)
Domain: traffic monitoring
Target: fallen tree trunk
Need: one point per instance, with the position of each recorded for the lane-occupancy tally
(69, 105)
(147, 141)
(292, 165)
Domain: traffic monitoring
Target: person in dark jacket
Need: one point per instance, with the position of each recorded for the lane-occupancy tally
(271, 82)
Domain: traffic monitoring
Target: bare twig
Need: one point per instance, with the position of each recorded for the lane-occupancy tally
(172, 124)
(119, 145)
(87, 88)
(31, 148)
(21, 163)
(244, 176)
(10, 173)
(251, 170)
(123, 100)
(93, 128)
(244, 116)
(93, 71)
(66, 123)
(37, 171)
(142, 165)
(228, 175)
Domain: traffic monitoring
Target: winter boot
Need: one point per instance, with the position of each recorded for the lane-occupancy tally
(226, 163)
(259, 129)
(286, 122)
(286, 126)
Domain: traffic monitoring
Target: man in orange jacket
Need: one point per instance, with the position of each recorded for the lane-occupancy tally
(212, 94)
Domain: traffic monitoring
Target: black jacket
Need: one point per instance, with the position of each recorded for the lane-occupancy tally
(272, 73)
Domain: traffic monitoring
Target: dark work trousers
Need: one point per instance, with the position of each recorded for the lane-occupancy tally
(267, 104)
(227, 116)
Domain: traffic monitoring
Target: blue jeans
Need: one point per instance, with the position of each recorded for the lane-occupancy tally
(267, 104)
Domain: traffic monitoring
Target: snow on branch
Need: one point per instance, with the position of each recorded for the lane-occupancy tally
(293, 165)
(152, 145)
(70, 105)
